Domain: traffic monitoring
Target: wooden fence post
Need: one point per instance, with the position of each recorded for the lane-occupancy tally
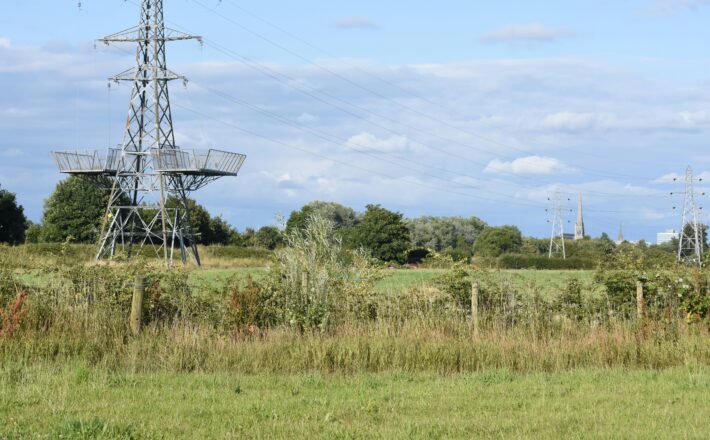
(137, 305)
(640, 303)
(474, 307)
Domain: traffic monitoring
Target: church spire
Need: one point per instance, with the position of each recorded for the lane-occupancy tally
(579, 227)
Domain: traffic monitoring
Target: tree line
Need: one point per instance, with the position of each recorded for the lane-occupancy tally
(73, 212)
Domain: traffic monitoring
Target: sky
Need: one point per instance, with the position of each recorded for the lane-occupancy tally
(452, 107)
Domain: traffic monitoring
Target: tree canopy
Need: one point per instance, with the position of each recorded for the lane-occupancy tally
(341, 216)
(75, 209)
(495, 241)
(12, 219)
(384, 233)
(445, 233)
(268, 237)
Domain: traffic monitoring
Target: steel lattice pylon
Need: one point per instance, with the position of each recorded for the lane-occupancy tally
(557, 237)
(690, 245)
(148, 166)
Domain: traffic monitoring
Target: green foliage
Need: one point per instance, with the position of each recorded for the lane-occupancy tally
(571, 301)
(457, 283)
(383, 233)
(243, 309)
(268, 237)
(495, 241)
(75, 209)
(401, 402)
(341, 216)
(219, 233)
(519, 261)
(209, 230)
(33, 233)
(312, 285)
(12, 219)
(199, 220)
(703, 236)
(453, 235)
(235, 252)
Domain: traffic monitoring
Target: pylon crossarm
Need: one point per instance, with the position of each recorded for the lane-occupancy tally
(145, 73)
(138, 34)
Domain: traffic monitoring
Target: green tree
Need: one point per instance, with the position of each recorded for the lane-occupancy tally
(75, 209)
(12, 219)
(33, 233)
(496, 241)
(445, 233)
(341, 216)
(384, 233)
(219, 232)
(268, 237)
(199, 218)
(243, 239)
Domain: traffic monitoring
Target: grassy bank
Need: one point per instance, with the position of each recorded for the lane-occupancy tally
(73, 401)
(444, 346)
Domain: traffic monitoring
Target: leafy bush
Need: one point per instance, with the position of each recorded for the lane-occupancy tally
(243, 308)
(571, 302)
(312, 285)
(235, 252)
(519, 261)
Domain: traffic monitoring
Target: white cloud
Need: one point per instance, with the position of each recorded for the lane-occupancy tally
(652, 214)
(574, 121)
(554, 109)
(5, 43)
(526, 33)
(668, 7)
(368, 141)
(355, 22)
(307, 118)
(528, 165)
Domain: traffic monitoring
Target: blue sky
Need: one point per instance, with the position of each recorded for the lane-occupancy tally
(429, 108)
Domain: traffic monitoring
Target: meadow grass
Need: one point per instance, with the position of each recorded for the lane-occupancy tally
(399, 280)
(411, 366)
(76, 402)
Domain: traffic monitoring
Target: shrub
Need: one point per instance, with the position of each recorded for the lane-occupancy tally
(518, 261)
(12, 316)
(243, 310)
(235, 252)
(312, 285)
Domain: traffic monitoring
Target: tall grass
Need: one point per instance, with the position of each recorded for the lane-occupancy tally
(317, 310)
(446, 346)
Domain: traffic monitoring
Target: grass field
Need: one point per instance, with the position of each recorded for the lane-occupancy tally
(395, 280)
(76, 402)
(402, 279)
(545, 361)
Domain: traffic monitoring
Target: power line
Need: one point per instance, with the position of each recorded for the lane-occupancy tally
(347, 164)
(381, 96)
(364, 71)
(261, 67)
(330, 137)
(338, 140)
(313, 93)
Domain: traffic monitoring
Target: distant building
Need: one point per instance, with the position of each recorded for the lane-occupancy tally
(667, 236)
(579, 226)
(568, 236)
(620, 238)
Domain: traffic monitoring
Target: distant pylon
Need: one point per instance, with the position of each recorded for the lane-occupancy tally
(579, 232)
(690, 245)
(557, 238)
